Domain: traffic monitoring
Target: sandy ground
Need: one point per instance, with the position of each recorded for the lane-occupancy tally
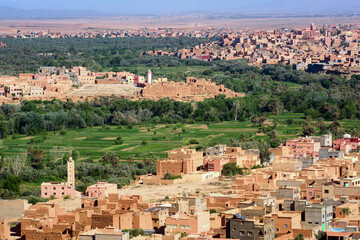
(178, 22)
(105, 90)
(152, 193)
(26, 138)
(71, 204)
(109, 138)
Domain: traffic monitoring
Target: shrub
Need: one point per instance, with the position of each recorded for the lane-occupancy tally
(193, 141)
(212, 211)
(119, 141)
(169, 176)
(62, 132)
(230, 169)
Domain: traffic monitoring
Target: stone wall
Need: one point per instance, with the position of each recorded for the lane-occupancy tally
(192, 90)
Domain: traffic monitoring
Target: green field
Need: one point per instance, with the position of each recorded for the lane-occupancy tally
(93, 142)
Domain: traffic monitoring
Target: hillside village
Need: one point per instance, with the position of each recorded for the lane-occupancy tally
(309, 188)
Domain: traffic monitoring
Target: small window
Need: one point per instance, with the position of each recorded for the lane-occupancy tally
(286, 226)
(249, 233)
(276, 229)
(242, 233)
(326, 191)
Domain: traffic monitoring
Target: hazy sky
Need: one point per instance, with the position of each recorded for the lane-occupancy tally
(180, 6)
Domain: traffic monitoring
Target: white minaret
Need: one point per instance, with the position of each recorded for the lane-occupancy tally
(71, 172)
(149, 77)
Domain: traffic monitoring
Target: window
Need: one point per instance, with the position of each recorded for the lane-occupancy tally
(276, 229)
(286, 225)
(187, 226)
(169, 226)
(175, 226)
(326, 191)
(309, 222)
(249, 233)
(242, 233)
(182, 227)
(316, 223)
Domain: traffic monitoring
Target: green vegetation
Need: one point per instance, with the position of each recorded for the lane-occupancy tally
(212, 211)
(92, 143)
(114, 139)
(169, 176)
(135, 232)
(230, 169)
(101, 54)
(346, 211)
(299, 237)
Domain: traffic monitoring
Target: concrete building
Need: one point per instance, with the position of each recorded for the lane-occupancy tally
(158, 215)
(304, 147)
(318, 215)
(101, 189)
(193, 223)
(347, 140)
(285, 221)
(325, 140)
(329, 153)
(243, 229)
(289, 193)
(216, 150)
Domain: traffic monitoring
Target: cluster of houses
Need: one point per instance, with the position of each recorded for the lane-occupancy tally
(318, 49)
(311, 188)
(55, 82)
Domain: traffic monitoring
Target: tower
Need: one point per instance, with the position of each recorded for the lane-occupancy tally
(71, 172)
(149, 77)
(312, 27)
